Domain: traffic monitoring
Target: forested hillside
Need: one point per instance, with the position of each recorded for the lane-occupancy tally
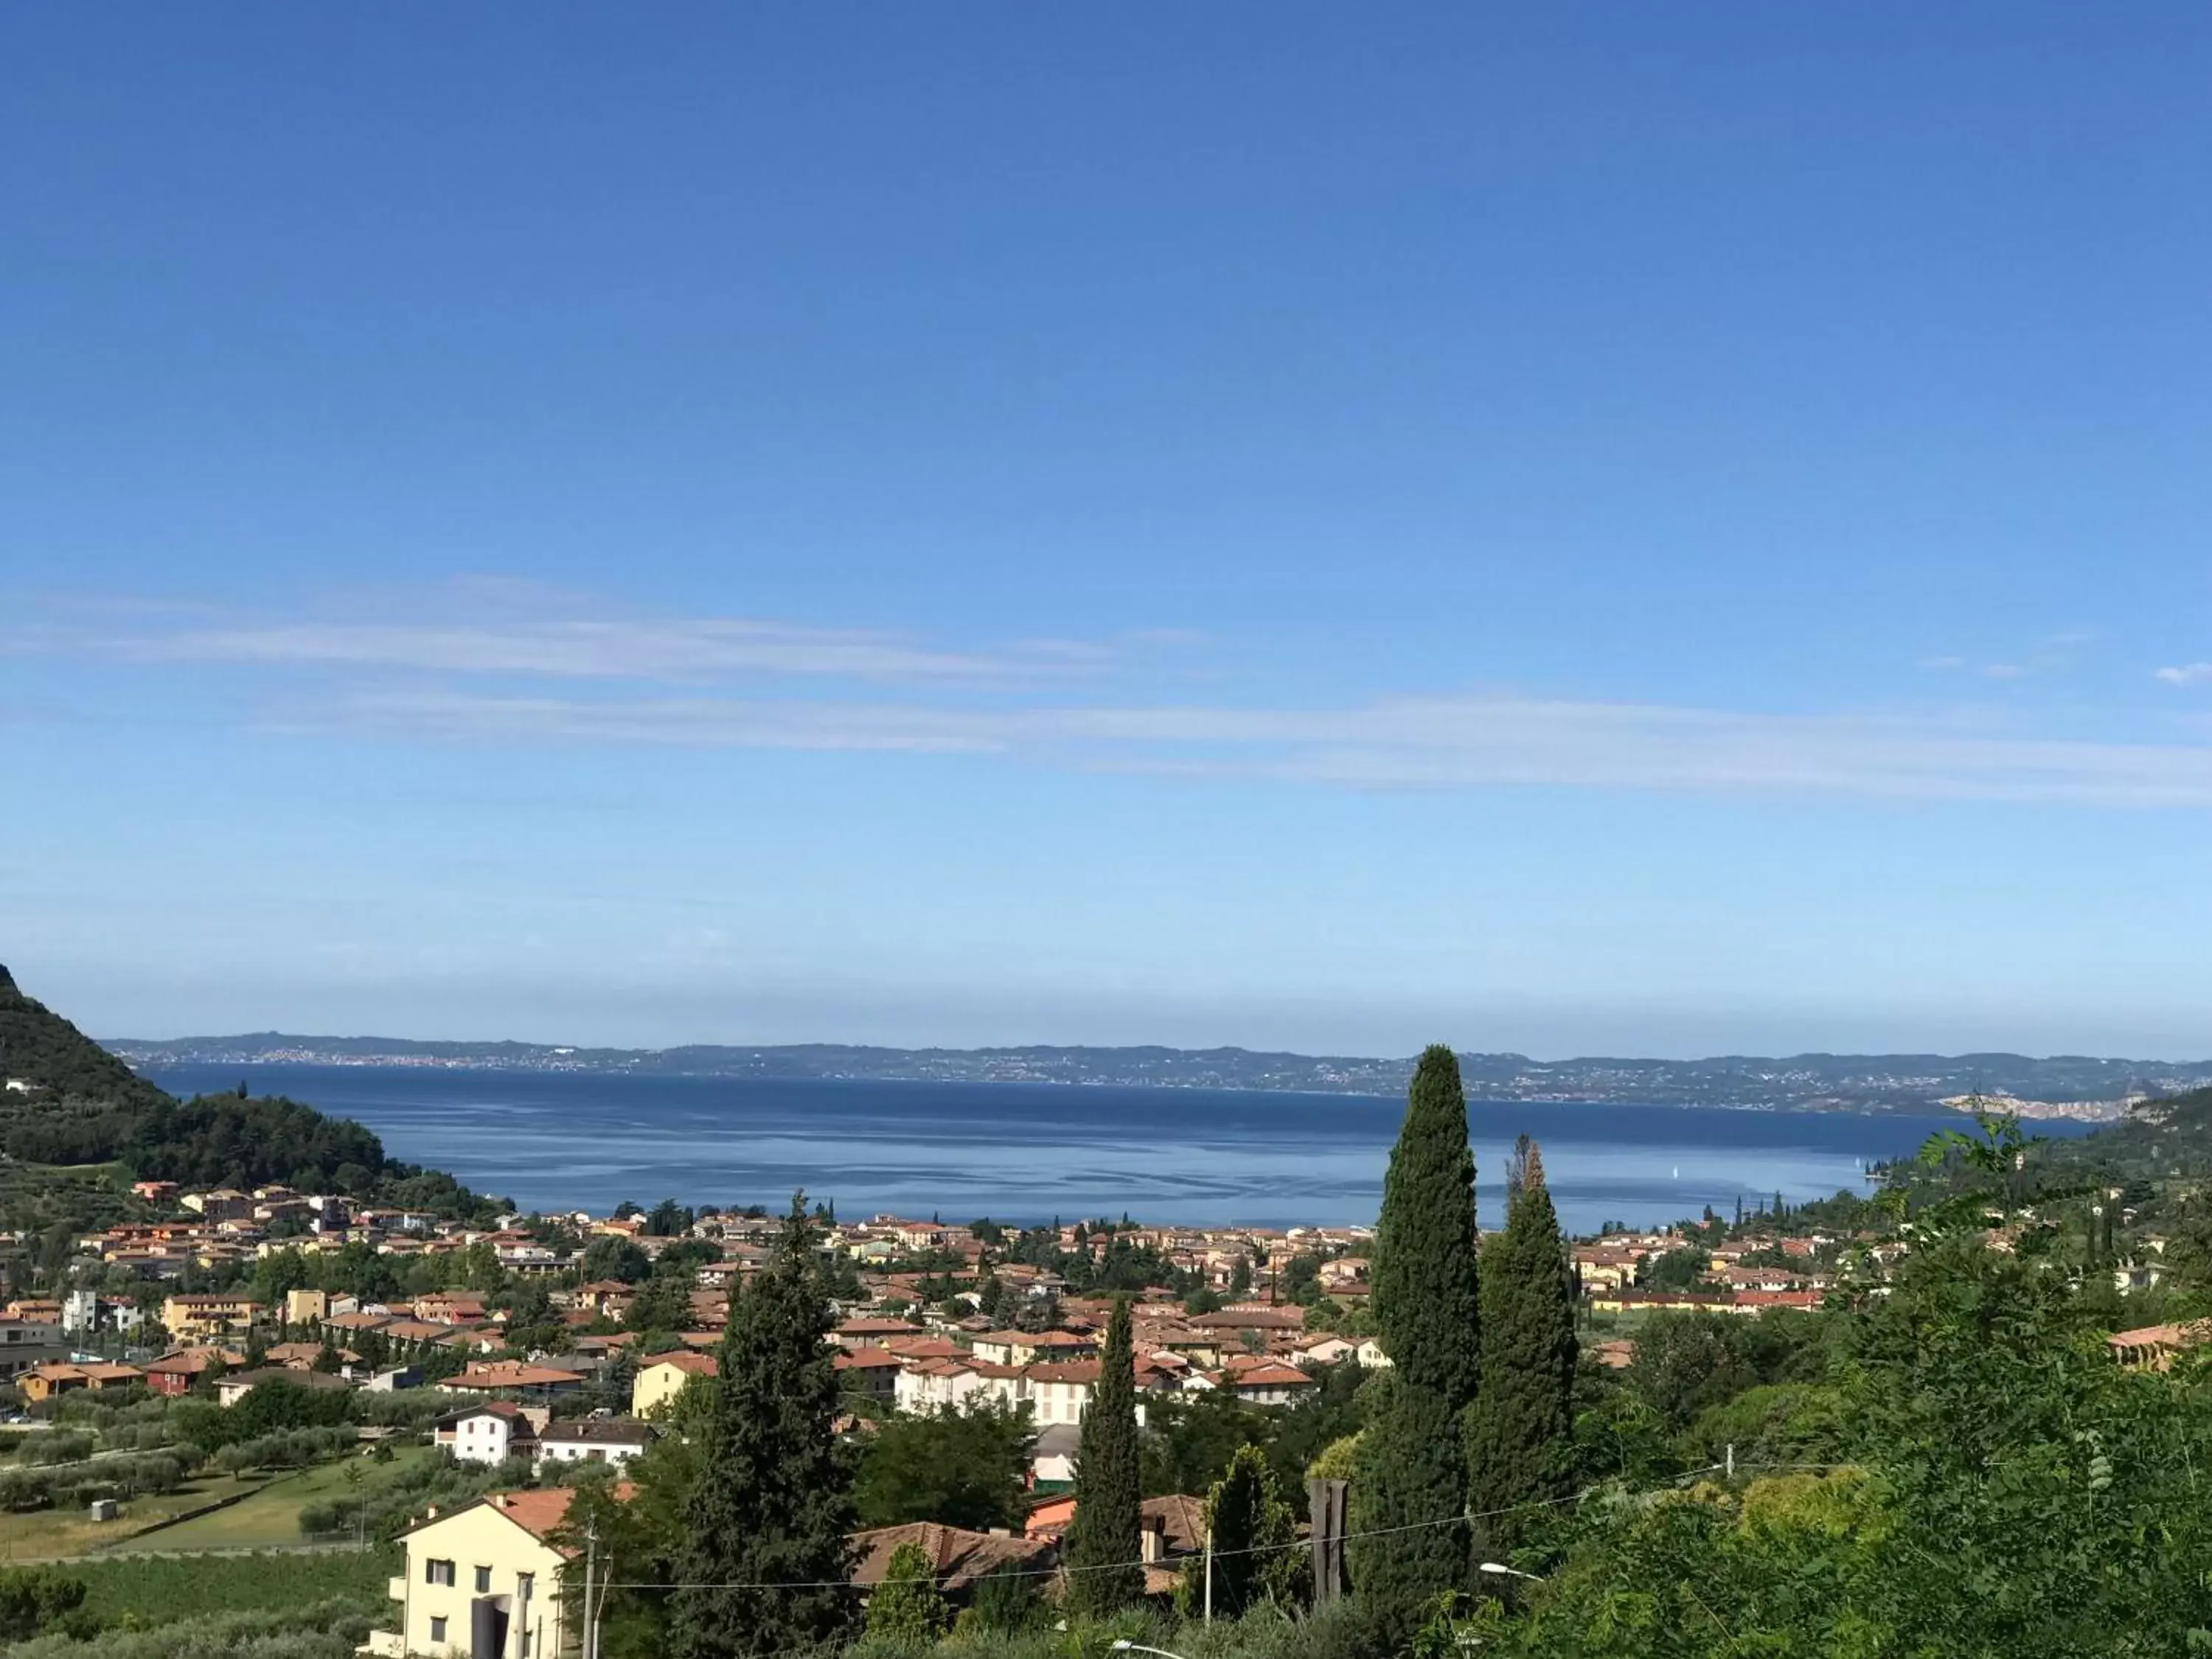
(38, 1046)
(84, 1107)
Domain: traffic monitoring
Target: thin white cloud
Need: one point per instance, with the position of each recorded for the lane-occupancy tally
(2049, 654)
(2193, 673)
(1434, 743)
(666, 651)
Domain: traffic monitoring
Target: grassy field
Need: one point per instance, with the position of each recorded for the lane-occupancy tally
(271, 1517)
(43, 1534)
(154, 1589)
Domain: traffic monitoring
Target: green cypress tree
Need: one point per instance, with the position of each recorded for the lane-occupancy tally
(1427, 1301)
(1524, 1415)
(1103, 1547)
(768, 1517)
(1254, 1536)
(908, 1612)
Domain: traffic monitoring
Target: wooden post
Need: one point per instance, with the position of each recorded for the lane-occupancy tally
(1327, 1502)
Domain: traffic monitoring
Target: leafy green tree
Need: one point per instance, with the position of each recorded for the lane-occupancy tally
(966, 1468)
(34, 1600)
(279, 1272)
(1426, 1296)
(1103, 1543)
(607, 1256)
(907, 1612)
(1189, 1439)
(663, 1302)
(1685, 1363)
(1680, 1269)
(1254, 1537)
(773, 1506)
(1520, 1428)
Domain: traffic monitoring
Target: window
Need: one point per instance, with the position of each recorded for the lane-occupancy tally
(437, 1630)
(483, 1581)
(525, 1586)
(437, 1572)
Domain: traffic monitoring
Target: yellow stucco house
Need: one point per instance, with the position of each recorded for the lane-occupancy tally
(493, 1551)
(660, 1378)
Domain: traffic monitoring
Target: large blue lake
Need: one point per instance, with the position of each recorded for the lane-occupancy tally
(1024, 1152)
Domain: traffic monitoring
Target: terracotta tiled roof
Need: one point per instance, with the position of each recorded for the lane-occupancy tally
(509, 1374)
(1271, 1376)
(191, 1362)
(959, 1557)
(692, 1365)
(540, 1512)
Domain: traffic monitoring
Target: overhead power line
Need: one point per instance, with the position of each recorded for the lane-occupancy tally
(1254, 1549)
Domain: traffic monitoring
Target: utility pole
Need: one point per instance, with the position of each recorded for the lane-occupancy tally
(591, 1560)
(1209, 1572)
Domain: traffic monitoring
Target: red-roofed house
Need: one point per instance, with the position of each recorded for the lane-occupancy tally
(514, 1375)
(1269, 1385)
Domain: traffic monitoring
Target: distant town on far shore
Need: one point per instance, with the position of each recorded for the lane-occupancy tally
(2058, 1086)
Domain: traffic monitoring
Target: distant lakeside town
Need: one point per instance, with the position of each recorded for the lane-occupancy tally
(2083, 1088)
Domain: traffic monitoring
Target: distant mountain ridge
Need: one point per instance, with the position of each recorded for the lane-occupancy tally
(1815, 1082)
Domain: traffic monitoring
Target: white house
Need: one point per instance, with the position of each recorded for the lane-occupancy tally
(492, 1432)
(594, 1440)
(930, 1385)
(1052, 1464)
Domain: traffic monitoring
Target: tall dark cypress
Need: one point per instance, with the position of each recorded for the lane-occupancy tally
(1518, 1431)
(768, 1518)
(1103, 1547)
(1426, 1300)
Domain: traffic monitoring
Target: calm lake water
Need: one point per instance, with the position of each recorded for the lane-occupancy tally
(1029, 1152)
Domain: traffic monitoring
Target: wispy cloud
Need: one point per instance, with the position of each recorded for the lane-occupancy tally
(2047, 655)
(2193, 673)
(492, 663)
(484, 629)
(1432, 743)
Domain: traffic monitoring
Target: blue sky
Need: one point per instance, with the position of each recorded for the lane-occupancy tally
(1631, 529)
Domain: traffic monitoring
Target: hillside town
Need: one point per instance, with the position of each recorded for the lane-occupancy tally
(511, 1374)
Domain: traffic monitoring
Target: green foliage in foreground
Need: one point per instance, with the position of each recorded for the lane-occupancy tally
(908, 1610)
(1256, 1559)
(304, 1631)
(148, 1589)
